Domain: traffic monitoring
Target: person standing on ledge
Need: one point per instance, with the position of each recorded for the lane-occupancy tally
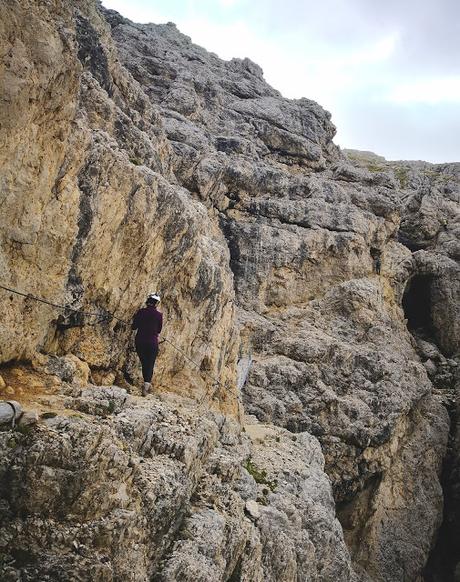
(148, 322)
(376, 255)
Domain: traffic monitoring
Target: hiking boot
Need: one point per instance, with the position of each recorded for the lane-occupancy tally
(146, 388)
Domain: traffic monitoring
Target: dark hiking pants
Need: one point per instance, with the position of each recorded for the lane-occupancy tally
(147, 355)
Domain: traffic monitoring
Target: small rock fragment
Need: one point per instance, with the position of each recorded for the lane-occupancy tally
(430, 367)
(252, 507)
(29, 418)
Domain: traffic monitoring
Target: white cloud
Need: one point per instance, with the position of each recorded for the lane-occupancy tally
(229, 3)
(376, 52)
(235, 39)
(430, 91)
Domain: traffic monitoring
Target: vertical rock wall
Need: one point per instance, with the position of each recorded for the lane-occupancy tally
(92, 215)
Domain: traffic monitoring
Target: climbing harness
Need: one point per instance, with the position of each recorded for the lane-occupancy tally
(109, 316)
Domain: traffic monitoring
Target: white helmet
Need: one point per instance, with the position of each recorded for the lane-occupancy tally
(154, 296)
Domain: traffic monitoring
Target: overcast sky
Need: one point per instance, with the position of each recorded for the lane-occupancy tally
(387, 70)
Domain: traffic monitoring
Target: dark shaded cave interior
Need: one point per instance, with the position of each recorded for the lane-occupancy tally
(417, 305)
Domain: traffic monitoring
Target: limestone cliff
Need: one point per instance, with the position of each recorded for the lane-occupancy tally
(92, 215)
(306, 441)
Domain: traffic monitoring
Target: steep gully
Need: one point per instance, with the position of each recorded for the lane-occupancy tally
(417, 303)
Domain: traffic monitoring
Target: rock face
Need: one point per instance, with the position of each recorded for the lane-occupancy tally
(92, 215)
(132, 161)
(120, 488)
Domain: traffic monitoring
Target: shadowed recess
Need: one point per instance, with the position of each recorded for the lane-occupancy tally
(417, 305)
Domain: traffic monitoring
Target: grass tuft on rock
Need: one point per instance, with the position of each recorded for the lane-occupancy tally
(260, 475)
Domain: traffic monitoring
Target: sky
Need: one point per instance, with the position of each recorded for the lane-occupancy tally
(387, 70)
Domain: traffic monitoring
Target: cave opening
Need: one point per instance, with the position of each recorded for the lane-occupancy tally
(417, 304)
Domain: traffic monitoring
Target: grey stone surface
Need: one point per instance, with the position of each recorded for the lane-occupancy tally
(153, 490)
(153, 161)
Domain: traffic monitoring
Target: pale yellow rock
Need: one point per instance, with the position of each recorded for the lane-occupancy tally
(102, 378)
(252, 507)
(114, 186)
(81, 371)
(138, 232)
(258, 433)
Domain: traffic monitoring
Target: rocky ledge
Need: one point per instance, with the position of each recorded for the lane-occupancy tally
(111, 486)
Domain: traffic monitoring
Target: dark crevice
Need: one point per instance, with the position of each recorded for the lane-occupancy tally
(91, 53)
(411, 244)
(233, 245)
(417, 305)
(445, 555)
(235, 576)
(353, 513)
(86, 215)
(419, 302)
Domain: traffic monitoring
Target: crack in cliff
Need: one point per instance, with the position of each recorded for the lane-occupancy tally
(280, 222)
(91, 53)
(444, 557)
(85, 222)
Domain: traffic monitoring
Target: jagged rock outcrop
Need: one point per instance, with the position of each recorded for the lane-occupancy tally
(92, 215)
(116, 487)
(133, 158)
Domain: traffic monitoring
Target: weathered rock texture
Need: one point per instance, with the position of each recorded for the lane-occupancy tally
(120, 488)
(133, 160)
(92, 215)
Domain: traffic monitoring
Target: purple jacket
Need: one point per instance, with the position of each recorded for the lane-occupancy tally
(148, 321)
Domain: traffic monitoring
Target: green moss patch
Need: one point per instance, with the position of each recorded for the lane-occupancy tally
(260, 475)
